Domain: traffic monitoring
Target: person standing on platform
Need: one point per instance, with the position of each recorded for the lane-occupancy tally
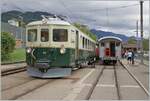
(129, 57)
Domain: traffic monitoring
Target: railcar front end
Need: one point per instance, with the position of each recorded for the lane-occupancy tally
(55, 48)
(109, 49)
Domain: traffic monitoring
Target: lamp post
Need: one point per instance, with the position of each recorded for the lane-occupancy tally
(141, 27)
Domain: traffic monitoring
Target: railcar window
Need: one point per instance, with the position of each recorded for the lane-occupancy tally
(89, 44)
(118, 44)
(102, 44)
(44, 35)
(60, 35)
(32, 35)
(83, 42)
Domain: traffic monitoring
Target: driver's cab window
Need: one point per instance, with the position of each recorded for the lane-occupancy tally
(60, 35)
(44, 35)
(32, 35)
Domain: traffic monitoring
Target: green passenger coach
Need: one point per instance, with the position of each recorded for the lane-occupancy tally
(55, 48)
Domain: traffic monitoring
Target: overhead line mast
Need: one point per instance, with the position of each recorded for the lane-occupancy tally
(141, 22)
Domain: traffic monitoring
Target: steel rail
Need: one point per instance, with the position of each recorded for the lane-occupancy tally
(95, 83)
(117, 82)
(31, 90)
(136, 79)
(13, 62)
(13, 71)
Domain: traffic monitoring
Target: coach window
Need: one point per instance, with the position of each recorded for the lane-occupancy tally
(102, 44)
(32, 35)
(118, 44)
(83, 42)
(60, 35)
(86, 43)
(89, 44)
(44, 35)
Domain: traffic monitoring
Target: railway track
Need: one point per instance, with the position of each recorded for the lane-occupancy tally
(30, 85)
(136, 79)
(117, 83)
(13, 71)
(99, 77)
(13, 63)
(117, 86)
(32, 89)
(95, 83)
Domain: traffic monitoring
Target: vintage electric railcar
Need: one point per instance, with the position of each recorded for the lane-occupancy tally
(55, 48)
(110, 49)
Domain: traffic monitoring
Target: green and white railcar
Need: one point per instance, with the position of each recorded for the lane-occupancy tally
(55, 47)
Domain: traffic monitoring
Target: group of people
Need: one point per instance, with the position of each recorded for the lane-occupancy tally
(130, 56)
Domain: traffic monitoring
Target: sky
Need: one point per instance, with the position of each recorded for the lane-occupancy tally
(115, 16)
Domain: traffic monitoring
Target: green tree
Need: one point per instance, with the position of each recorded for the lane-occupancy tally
(131, 41)
(7, 45)
(146, 44)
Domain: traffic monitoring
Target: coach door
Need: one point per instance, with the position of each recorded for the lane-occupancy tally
(112, 49)
(77, 45)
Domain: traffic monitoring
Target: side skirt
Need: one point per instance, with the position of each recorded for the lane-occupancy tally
(51, 73)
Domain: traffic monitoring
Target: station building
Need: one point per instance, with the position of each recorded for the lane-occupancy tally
(127, 46)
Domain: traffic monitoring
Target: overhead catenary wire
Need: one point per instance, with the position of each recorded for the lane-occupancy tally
(91, 10)
(68, 11)
(107, 9)
(113, 8)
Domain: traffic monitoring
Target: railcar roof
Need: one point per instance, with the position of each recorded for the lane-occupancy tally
(110, 37)
(49, 22)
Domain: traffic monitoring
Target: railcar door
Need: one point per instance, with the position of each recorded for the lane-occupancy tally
(112, 49)
(77, 45)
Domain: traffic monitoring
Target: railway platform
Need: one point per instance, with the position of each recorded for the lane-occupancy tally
(140, 71)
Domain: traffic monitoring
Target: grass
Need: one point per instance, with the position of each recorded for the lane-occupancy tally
(16, 56)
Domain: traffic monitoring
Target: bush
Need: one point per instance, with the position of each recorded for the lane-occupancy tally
(7, 45)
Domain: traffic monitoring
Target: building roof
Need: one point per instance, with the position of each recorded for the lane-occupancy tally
(127, 45)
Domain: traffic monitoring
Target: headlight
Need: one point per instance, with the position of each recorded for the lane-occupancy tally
(29, 50)
(62, 50)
